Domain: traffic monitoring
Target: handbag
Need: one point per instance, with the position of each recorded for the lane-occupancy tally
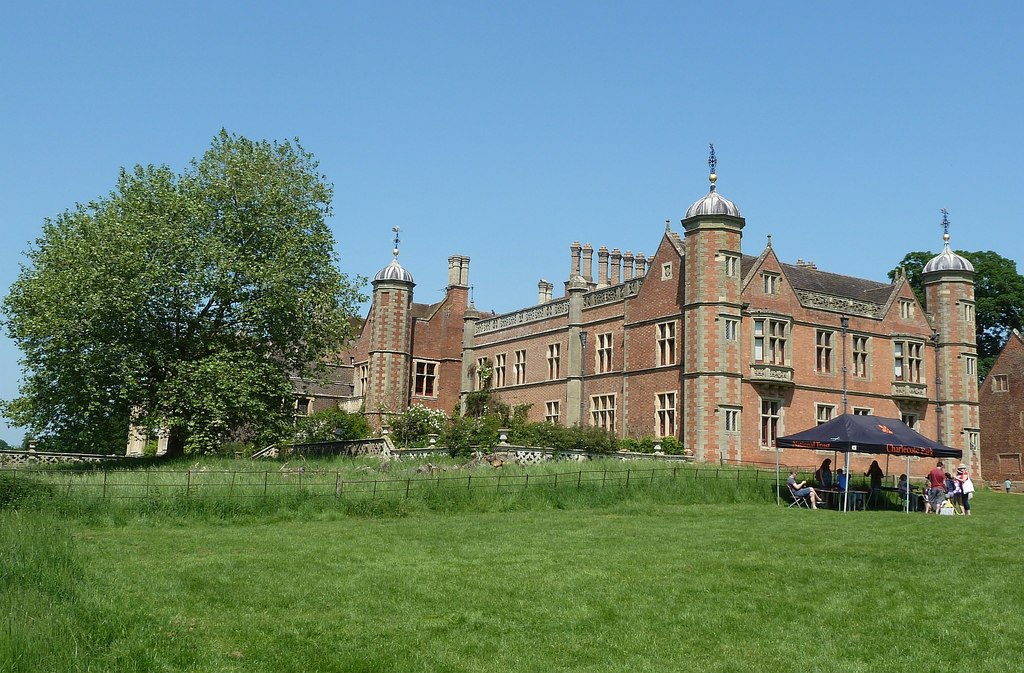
(968, 486)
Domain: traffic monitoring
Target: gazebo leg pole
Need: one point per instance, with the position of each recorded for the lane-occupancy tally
(846, 491)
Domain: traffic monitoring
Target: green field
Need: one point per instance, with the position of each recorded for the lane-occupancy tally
(545, 580)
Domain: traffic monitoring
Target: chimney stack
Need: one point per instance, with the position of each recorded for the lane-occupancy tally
(544, 291)
(588, 263)
(574, 269)
(641, 265)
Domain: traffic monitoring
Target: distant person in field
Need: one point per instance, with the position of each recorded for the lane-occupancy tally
(801, 489)
(875, 474)
(963, 478)
(1008, 484)
(936, 488)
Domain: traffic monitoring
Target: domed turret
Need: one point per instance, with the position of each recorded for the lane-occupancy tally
(713, 203)
(394, 271)
(947, 260)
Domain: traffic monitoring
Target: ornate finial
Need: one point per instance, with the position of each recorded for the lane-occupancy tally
(668, 226)
(769, 240)
(945, 225)
(713, 164)
(397, 240)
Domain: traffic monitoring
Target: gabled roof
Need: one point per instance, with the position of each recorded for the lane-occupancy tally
(815, 280)
(425, 311)
(872, 297)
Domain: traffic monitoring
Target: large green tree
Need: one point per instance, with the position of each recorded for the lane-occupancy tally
(998, 294)
(181, 302)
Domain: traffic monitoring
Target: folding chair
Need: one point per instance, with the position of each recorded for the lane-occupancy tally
(797, 500)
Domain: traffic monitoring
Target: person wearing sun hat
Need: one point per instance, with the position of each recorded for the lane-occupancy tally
(966, 487)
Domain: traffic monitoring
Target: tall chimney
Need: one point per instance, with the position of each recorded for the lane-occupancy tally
(627, 265)
(574, 269)
(616, 266)
(602, 266)
(544, 291)
(454, 263)
(641, 265)
(588, 263)
(464, 271)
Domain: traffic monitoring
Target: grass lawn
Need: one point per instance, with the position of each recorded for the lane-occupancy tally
(634, 586)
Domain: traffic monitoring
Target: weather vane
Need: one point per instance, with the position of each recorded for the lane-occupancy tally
(396, 230)
(713, 164)
(945, 224)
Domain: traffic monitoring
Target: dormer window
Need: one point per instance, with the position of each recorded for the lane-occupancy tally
(771, 282)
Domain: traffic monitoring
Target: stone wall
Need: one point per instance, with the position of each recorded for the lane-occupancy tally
(17, 457)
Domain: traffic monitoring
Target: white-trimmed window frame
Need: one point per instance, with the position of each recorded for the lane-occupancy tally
(908, 360)
(861, 355)
(665, 412)
(823, 413)
(731, 419)
(425, 378)
(519, 367)
(771, 339)
(732, 328)
(602, 411)
(554, 361)
(824, 350)
(603, 353)
(666, 335)
(771, 421)
(498, 378)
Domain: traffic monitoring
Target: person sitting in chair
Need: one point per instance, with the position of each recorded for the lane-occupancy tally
(801, 489)
(840, 480)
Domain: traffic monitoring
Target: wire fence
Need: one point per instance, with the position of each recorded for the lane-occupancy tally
(200, 483)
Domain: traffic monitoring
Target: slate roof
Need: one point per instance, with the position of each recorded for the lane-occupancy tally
(815, 280)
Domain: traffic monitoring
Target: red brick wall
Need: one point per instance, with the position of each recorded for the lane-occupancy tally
(1002, 448)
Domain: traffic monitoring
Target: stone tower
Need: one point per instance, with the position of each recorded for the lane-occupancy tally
(949, 294)
(712, 375)
(390, 346)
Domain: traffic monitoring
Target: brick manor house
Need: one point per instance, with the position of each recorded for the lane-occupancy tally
(723, 350)
(1002, 413)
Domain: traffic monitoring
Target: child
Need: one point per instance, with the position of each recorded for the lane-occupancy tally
(1008, 484)
(953, 493)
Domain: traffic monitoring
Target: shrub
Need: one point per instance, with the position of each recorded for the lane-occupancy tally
(413, 427)
(331, 424)
(462, 435)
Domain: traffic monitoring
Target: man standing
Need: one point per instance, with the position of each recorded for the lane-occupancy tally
(936, 487)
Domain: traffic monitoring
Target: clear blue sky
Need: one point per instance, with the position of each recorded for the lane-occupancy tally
(507, 131)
